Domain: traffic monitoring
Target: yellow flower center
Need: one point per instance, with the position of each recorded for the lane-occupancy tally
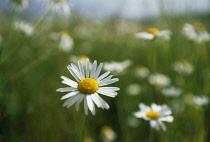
(88, 86)
(83, 57)
(65, 33)
(199, 26)
(152, 115)
(152, 30)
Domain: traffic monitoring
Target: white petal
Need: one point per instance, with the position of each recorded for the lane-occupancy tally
(96, 100)
(98, 71)
(155, 107)
(87, 68)
(106, 79)
(71, 101)
(110, 88)
(81, 69)
(91, 105)
(69, 95)
(165, 111)
(103, 75)
(108, 82)
(66, 89)
(167, 118)
(73, 73)
(154, 124)
(79, 101)
(69, 82)
(103, 103)
(85, 106)
(144, 108)
(162, 125)
(76, 71)
(145, 35)
(93, 69)
(107, 93)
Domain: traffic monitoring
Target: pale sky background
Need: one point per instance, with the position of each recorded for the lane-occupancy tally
(130, 9)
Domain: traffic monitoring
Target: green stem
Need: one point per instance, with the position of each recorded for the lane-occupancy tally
(151, 135)
(83, 128)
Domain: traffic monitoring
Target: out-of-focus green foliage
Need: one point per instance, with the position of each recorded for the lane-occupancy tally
(31, 66)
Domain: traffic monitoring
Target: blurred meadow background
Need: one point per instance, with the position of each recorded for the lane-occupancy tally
(168, 63)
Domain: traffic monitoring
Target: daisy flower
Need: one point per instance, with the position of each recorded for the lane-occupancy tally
(20, 4)
(24, 27)
(156, 114)
(117, 68)
(183, 67)
(200, 100)
(133, 89)
(108, 134)
(141, 72)
(82, 58)
(159, 80)
(59, 6)
(152, 33)
(171, 91)
(88, 86)
(66, 41)
(196, 32)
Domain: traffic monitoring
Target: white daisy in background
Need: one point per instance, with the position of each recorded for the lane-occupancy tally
(132, 122)
(133, 89)
(183, 67)
(66, 42)
(152, 33)
(108, 134)
(88, 139)
(117, 68)
(196, 32)
(200, 101)
(156, 114)
(82, 58)
(196, 101)
(159, 80)
(24, 27)
(60, 7)
(141, 72)
(88, 86)
(20, 4)
(171, 91)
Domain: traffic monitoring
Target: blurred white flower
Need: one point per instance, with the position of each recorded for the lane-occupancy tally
(156, 114)
(141, 72)
(20, 4)
(88, 139)
(60, 7)
(82, 58)
(200, 100)
(159, 80)
(152, 33)
(88, 86)
(171, 91)
(132, 122)
(117, 68)
(108, 134)
(133, 89)
(183, 67)
(66, 42)
(24, 27)
(196, 32)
